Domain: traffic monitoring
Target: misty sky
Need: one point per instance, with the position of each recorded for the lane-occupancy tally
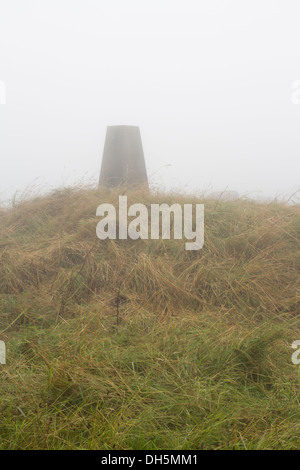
(208, 82)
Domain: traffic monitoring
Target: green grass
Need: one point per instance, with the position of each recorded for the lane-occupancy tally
(200, 357)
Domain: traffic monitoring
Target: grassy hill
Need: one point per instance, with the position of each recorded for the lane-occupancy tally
(141, 344)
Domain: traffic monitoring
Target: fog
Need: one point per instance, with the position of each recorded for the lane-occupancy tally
(210, 83)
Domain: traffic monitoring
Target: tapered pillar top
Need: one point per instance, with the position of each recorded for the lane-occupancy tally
(123, 161)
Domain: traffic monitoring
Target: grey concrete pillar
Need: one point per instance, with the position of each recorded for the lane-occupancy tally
(123, 161)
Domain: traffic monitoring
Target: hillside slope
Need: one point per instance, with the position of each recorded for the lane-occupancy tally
(141, 344)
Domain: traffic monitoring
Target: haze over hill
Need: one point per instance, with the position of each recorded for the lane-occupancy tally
(209, 84)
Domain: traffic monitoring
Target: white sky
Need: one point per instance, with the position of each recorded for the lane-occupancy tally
(208, 82)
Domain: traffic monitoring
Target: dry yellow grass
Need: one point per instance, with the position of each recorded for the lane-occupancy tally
(141, 344)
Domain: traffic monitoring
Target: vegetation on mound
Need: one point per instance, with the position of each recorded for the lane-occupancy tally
(142, 344)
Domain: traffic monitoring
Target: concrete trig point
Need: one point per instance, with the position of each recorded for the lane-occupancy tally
(123, 160)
